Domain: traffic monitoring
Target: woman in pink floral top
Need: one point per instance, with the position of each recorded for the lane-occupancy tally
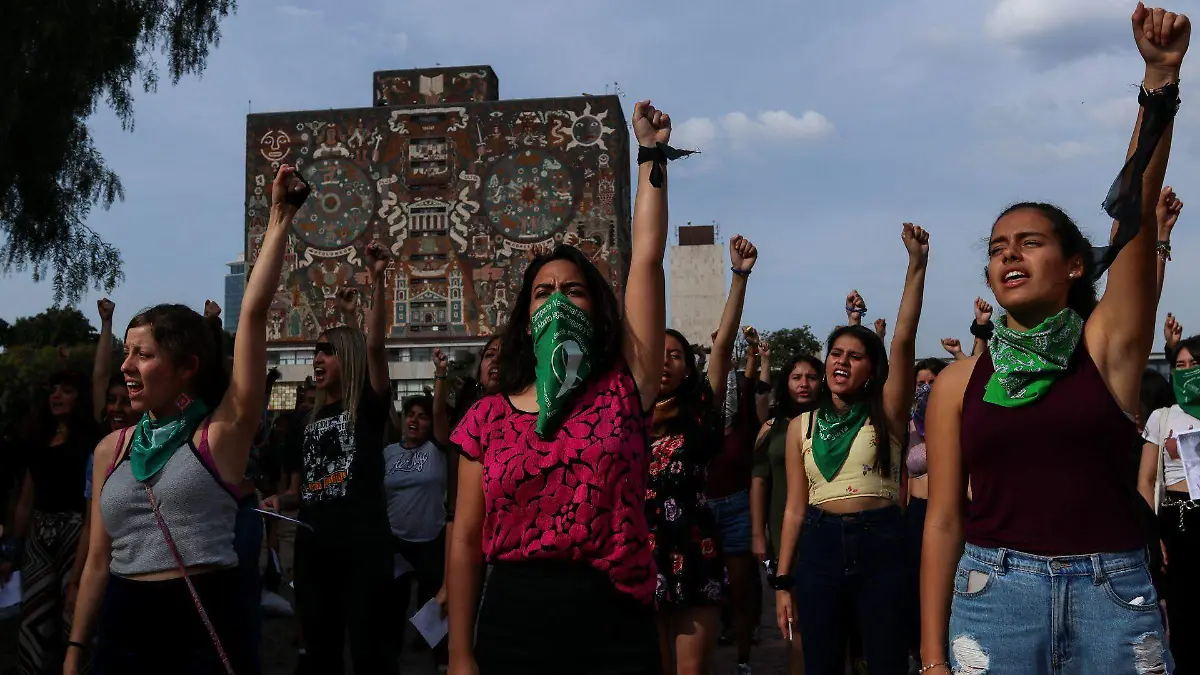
(553, 493)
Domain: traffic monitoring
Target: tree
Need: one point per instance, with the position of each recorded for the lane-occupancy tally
(53, 327)
(57, 59)
(24, 372)
(787, 342)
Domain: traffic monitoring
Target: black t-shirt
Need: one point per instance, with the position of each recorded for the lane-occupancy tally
(341, 469)
(59, 473)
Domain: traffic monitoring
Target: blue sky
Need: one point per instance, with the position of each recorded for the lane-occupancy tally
(823, 129)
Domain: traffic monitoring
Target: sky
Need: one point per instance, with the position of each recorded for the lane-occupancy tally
(823, 127)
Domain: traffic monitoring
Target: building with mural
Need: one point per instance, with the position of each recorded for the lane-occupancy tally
(462, 187)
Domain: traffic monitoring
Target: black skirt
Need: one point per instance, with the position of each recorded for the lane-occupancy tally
(153, 627)
(555, 617)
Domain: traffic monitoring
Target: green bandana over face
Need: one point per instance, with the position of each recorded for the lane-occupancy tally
(562, 339)
(834, 435)
(1186, 383)
(154, 441)
(1028, 363)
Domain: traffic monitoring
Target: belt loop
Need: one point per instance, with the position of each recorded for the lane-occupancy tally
(1002, 563)
(1097, 569)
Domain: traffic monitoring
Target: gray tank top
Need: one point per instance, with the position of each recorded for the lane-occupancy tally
(198, 508)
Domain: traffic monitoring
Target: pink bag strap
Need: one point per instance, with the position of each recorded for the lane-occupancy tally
(212, 632)
(118, 453)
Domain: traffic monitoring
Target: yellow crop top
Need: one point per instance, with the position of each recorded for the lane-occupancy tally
(859, 476)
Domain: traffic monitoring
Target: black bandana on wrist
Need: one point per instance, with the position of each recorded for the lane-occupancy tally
(660, 154)
(1124, 200)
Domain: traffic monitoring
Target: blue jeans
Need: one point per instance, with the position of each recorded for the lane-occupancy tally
(732, 514)
(247, 541)
(851, 568)
(1020, 614)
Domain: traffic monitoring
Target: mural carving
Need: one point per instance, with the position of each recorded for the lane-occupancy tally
(463, 188)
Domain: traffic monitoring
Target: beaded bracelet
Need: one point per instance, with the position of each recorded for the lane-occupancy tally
(926, 669)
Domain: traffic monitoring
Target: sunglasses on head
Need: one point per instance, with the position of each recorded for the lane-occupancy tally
(323, 348)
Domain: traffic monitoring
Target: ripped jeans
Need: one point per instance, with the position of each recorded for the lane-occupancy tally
(1020, 614)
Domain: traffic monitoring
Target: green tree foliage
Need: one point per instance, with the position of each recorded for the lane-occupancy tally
(787, 342)
(51, 328)
(57, 60)
(24, 372)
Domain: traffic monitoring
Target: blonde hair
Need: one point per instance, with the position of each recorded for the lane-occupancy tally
(350, 346)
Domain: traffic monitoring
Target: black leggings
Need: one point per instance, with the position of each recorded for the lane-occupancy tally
(152, 627)
(428, 559)
(345, 585)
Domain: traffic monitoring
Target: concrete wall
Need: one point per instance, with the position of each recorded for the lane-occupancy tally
(698, 290)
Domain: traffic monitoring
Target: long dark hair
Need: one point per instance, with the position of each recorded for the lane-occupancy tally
(517, 359)
(693, 397)
(182, 333)
(872, 393)
(1082, 295)
(933, 365)
(1156, 393)
(81, 423)
(785, 408)
(1192, 344)
(471, 389)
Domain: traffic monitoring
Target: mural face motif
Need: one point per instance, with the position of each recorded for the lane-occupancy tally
(463, 192)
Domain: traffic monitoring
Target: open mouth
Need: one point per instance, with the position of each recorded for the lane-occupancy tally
(319, 373)
(134, 387)
(1015, 278)
(840, 376)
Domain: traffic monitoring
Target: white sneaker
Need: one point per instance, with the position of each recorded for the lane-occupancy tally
(275, 605)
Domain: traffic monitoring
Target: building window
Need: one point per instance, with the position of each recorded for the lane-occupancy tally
(422, 353)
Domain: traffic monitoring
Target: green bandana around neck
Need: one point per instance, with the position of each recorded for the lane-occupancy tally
(834, 435)
(154, 441)
(562, 345)
(1186, 383)
(1028, 363)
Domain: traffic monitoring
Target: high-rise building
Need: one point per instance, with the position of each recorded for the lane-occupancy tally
(698, 287)
(235, 286)
(462, 187)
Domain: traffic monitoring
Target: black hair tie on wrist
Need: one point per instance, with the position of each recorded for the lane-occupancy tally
(983, 331)
(660, 154)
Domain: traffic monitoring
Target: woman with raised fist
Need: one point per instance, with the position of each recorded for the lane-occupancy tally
(1044, 570)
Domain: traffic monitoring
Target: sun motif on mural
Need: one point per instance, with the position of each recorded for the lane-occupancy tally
(339, 209)
(588, 129)
(529, 195)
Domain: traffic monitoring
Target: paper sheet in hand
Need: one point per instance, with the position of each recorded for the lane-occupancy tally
(1189, 452)
(430, 623)
(10, 596)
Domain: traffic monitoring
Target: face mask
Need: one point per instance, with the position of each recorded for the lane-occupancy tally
(562, 345)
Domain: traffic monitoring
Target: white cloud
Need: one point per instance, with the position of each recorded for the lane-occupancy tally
(1058, 30)
(740, 130)
(1026, 152)
(298, 12)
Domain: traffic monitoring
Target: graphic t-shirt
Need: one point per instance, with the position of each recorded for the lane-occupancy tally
(415, 482)
(341, 469)
(577, 496)
(1177, 422)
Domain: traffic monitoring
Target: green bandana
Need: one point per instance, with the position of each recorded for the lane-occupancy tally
(1028, 363)
(835, 434)
(562, 339)
(1186, 383)
(154, 441)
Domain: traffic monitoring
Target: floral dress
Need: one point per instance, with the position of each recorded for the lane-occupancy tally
(683, 530)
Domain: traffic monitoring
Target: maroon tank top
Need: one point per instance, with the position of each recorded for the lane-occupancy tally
(1052, 477)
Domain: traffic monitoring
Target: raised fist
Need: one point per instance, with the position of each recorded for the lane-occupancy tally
(347, 300)
(952, 345)
(1167, 210)
(378, 257)
(983, 312)
(750, 333)
(881, 327)
(1172, 331)
(440, 363)
(916, 240)
(742, 254)
(211, 309)
(856, 307)
(651, 125)
(1162, 37)
(105, 307)
(289, 190)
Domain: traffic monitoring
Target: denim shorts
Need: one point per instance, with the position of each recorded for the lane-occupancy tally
(1020, 614)
(733, 521)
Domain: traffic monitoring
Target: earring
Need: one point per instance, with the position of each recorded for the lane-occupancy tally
(183, 402)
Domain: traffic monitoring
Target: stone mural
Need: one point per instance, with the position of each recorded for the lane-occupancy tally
(463, 188)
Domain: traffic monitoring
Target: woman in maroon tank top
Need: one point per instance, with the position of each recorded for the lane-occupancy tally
(1044, 569)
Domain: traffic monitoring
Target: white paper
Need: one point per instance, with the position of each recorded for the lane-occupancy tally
(430, 623)
(10, 593)
(400, 567)
(1189, 452)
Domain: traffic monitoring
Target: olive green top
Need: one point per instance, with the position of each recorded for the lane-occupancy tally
(770, 463)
